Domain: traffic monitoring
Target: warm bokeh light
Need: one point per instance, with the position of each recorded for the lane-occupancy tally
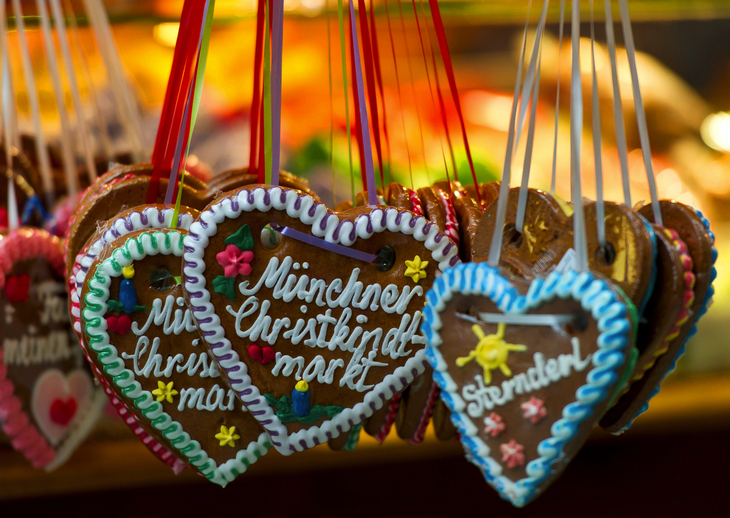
(166, 33)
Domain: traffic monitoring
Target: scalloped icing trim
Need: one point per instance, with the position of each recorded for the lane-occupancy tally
(135, 249)
(326, 225)
(19, 245)
(693, 331)
(595, 297)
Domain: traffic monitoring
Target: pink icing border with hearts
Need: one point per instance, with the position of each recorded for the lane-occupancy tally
(18, 245)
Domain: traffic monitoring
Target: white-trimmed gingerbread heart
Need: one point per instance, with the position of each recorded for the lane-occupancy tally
(48, 402)
(344, 330)
(526, 368)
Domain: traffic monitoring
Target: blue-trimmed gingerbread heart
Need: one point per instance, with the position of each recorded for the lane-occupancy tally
(527, 368)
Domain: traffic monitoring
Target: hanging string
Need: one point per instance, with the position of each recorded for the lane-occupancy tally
(332, 104)
(430, 90)
(103, 132)
(379, 78)
(256, 97)
(8, 105)
(44, 160)
(495, 247)
(67, 151)
(597, 140)
(400, 93)
(640, 113)
(83, 130)
(277, 39)
(369, 171)
(370, 84)
(341, 20)
(446, 58)
(267, 119)
(524, 187)
(413, 89)
(124, 100)
(553, 178)
(618, 114)
(576, 133)
(358, 126)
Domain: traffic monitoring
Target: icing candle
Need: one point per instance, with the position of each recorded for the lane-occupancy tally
(300, 398)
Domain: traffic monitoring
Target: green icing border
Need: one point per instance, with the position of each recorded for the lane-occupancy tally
(92, 317)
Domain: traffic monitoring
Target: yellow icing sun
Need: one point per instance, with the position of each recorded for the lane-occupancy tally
(228, 436)
(164, 392)
(491, 352)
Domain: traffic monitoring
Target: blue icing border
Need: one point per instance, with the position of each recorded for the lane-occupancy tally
(595, 297)
(693, 331)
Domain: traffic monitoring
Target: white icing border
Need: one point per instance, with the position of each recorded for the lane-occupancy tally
(324, 224)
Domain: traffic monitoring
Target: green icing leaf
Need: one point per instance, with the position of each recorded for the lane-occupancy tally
(286, 414)
(115, 305)
(225, 286)
(243, 238)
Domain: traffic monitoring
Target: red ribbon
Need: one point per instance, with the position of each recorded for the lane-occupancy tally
(446, 57)
(182, 74)
(379, 78)
(256, 99)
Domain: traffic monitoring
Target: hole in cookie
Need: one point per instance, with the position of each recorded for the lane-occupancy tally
(512, 237)
(606, 255)
(385, 259)
(579, 323)
(161, 279)
(270, 238)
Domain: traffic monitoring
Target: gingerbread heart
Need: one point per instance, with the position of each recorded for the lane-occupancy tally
(693, 231)
(160, 369)
(47, 395)
(345, 330)
(526, 368)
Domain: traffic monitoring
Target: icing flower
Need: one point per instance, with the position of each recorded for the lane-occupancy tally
(534, 410)
(164, 392)
(493, 424)
(491, 352)
(513, 454)
(228, 436)
(416, 269)
(234, 261)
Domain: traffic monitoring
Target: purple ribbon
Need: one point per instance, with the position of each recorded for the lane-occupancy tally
(321, 243)
(277, 37)
(364, 123)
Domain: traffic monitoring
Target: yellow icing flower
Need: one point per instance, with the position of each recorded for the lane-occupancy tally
(491, 352)
(228, 436)
(164, 392)
(416, 269)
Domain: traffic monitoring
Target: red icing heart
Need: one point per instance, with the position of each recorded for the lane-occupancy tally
(262, 355)
(119, 325)
(16, 287)
(63, 411)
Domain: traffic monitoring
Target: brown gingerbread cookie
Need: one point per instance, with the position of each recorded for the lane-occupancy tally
(144, 340)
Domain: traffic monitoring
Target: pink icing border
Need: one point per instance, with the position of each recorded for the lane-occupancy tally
(18, 245)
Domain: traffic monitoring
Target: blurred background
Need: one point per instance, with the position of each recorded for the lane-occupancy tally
(672, 461)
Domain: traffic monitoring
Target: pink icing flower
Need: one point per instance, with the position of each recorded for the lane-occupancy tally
(534, 410)
(235, 262)
(493, 424)
(512, 454)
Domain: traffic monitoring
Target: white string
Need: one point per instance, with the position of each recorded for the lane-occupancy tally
(67, 151)
(103, 132)
(44, 160)
(553, 180)
(522, 320)
(527, 86)
(496, 245)
(124, 100)
(8, 105)
(639, 108)
(597, 149)
(524, 187)
(68, 63)
(576, 132)
(618, 114)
